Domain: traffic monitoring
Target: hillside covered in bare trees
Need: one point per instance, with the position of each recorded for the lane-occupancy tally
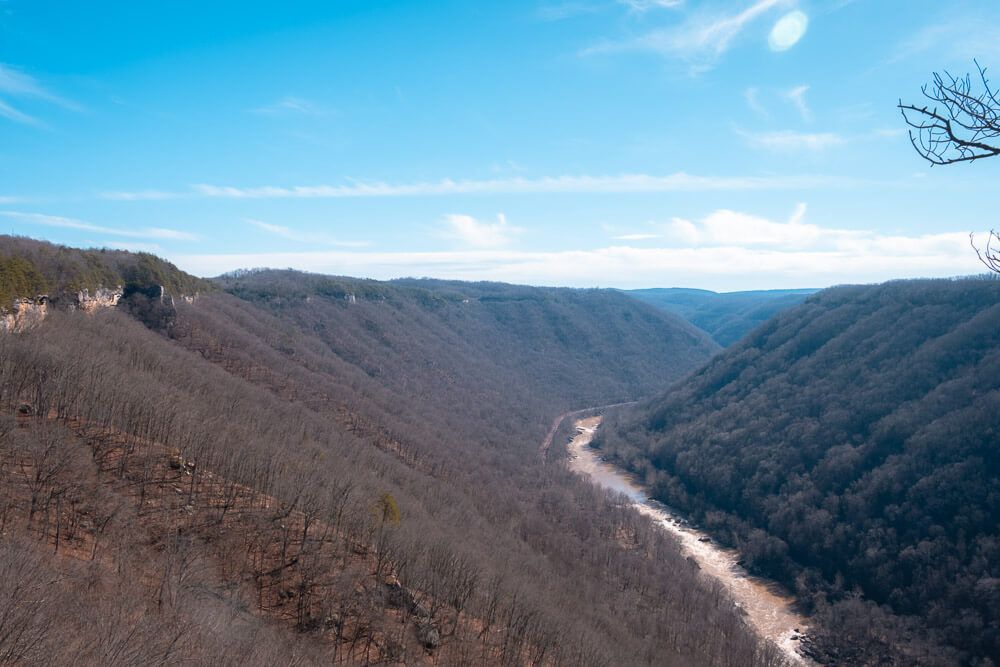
(848, 447)
(293, 469)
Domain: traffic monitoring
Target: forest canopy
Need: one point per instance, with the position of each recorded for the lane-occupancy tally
(340, 471)
(849, 447)
(30, 268)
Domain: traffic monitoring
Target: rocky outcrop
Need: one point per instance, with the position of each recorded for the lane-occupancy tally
(24, 314)
(101, 298)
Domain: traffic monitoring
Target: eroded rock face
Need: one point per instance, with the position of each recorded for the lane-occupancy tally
(24, 314)
(101, 298)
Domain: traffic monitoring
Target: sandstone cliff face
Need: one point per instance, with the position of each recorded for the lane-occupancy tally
(24, 314)
(101, 298)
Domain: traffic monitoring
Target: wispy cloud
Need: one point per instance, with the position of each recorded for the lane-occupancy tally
(304, 236)
(290, 105)
(469, 231)
(556, 184)
(72, 223)
(18, 85)
(10, 113)
(558, 11)
(752, 97)
(646, 5)
(699, 40)
(140, 195)
(797, 97)
(565, 184)
(565, 9)
(789, 141)
(953, 42)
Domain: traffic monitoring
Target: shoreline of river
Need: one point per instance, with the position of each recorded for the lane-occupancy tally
(768, 610)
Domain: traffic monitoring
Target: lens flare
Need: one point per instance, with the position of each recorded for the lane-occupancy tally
(788, 31)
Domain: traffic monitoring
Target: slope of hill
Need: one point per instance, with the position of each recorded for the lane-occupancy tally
(726, 316)
(849, 447)
(306, 469)
(465, 355)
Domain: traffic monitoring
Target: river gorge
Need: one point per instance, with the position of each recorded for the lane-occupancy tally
(768, 608)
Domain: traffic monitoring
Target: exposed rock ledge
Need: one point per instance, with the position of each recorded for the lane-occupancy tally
(24, 314)
(102, 298)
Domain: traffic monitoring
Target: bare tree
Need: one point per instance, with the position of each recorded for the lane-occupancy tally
(961, 123)
(989, 254)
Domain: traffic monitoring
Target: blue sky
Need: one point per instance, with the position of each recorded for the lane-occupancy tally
(725, 144)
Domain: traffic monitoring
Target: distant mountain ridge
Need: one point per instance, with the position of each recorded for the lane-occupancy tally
(725, 316)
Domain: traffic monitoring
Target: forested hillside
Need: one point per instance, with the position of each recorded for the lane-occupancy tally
(727, 316)
(296, 469)
(461, 357)
(849, 448)
(29, 269)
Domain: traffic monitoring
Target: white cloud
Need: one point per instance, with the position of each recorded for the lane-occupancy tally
(684, 231)
(797, 97)
(73, 223)
(867, 258)
(787, 32)
(700, 40)
(725, 227)
(724, 250)
(791, 141)
(567, 184)
(304, 237)
(469, 231)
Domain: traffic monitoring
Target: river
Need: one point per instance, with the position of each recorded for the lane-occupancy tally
(768, 608)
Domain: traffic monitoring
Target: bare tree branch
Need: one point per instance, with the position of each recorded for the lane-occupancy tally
(961, 125)
(989, 254)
